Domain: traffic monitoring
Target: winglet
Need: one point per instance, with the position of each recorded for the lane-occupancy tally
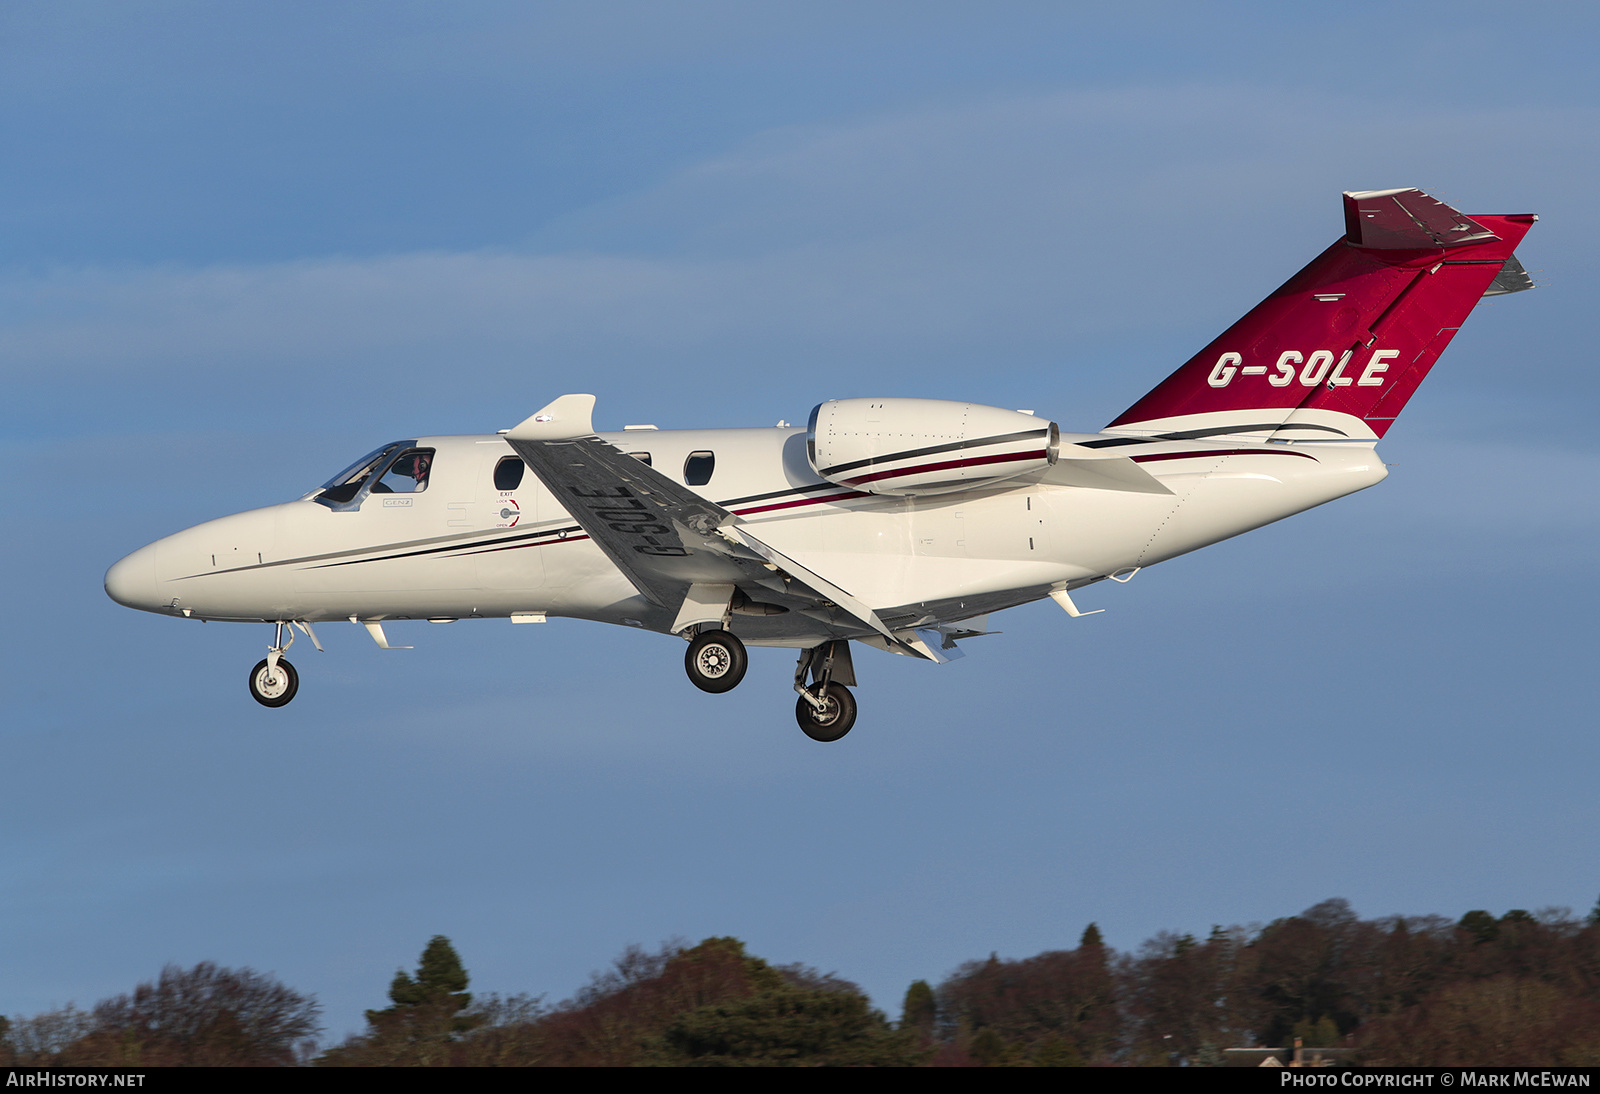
(568, 418)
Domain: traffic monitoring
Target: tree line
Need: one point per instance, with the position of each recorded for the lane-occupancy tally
(1517, 989)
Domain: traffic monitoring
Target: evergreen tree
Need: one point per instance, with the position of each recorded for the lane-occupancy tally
(1480, 925)
(785, 1026)
(440, 981)
(715, 1005)
(426, 1017)
(1091, 936)
(919, 1010)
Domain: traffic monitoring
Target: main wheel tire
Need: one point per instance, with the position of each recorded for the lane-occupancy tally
(716, 661)
(835, 718)
(277, 690)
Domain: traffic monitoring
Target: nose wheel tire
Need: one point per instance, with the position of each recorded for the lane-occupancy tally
(716, 661)
(834, 720)
(275, 689)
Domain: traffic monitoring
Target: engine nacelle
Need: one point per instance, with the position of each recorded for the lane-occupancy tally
(925, 446)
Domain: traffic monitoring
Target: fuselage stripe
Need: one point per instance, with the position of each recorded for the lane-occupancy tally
(571, 534)
(802, 501)
(1153, 456)
(922, 469)
(953, 446)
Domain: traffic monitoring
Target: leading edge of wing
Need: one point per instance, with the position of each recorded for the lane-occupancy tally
(665, 538)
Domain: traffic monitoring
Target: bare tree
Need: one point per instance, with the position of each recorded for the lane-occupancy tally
(40, 1040)
(207, 1016)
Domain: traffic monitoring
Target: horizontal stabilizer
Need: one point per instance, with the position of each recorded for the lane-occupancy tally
(1511, 278)
(1407, 220)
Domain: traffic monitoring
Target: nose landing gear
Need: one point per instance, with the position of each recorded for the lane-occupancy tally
(273, 682)
(274, 686)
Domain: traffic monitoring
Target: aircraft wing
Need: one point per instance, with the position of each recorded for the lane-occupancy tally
(682, 552)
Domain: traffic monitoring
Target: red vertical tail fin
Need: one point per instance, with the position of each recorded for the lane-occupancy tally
(1337, 351)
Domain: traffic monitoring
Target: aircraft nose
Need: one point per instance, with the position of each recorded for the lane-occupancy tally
(132, 581)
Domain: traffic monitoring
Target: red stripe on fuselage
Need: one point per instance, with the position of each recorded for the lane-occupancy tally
(802, 501)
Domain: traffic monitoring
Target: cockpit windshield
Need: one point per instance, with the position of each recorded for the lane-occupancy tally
(345, 489)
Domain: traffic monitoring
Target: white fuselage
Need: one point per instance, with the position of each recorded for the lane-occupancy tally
(462, 548)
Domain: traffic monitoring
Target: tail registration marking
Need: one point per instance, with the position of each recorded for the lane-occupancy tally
(1315, 372)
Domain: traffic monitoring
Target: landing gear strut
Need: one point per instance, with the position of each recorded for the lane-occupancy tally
(826, 710)
(273, 682)
(716, 661)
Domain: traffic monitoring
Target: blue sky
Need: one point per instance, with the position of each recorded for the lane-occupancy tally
(244, 243)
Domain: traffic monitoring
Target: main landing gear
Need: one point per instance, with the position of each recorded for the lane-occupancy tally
(716, 661)
(273, 682)
(826, 710)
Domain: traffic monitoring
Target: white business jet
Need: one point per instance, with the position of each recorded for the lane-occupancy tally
(900, 524)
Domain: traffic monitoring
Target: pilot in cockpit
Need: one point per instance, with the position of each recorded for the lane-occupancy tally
(407, 475)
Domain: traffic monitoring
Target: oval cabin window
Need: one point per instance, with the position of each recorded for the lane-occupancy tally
(698, 467)
(508, 473)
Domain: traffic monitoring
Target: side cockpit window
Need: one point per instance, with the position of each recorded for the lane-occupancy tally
(408, 474)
